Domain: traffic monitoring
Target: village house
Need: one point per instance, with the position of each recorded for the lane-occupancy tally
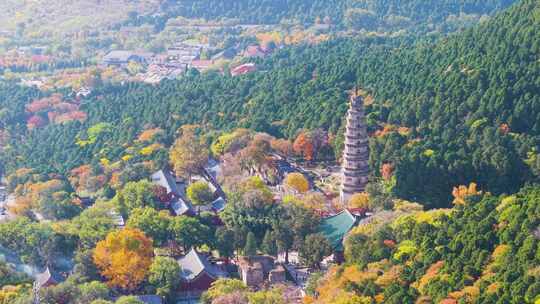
(334, 228)
(48, 278)
(202, 65)
(83, 92)
(121, 58)
(184, 52)
(198, 273)
(175, 190)
(254, 51)
(243, 69)
(117, 218)
(256, 270)
(226, 54)
(150, 299)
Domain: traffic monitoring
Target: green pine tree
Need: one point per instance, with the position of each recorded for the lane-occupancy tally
(269, 244)
(251, 245)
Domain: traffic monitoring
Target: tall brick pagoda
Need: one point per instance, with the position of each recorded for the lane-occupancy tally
(355, 166)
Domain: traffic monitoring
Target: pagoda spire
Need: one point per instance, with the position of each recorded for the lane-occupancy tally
(355, 166)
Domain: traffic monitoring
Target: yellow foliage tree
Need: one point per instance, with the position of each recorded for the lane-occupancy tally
(359, 200)
(124, 258)
(297, 181)
(314, 200)
(462, 192)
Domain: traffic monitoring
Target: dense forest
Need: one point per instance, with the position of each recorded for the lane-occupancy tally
(484, 250)
(450, 215)
(368, 14)
(458, 110)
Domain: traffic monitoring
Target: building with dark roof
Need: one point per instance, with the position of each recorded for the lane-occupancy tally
(121, 58)
(218, 205)
(150, 299)
(179, 205)
(197, 272)
(47, 278)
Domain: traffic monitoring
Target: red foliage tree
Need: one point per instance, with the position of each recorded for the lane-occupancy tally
(36, 121)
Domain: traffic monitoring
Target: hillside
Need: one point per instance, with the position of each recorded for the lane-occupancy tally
(128, 190)
(484, 252)
(367, 14)
(470, 111)
(66, 16)
(40, 17)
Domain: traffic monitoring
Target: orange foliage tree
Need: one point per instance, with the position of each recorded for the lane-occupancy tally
(282, 146)
(148, 135)
(462, 192)
(303, 146)
(124, 258)
(387, 170)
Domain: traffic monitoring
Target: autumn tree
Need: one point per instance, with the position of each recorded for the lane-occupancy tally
(387, 170)
(359, 200)
(189, 154)
(283, 147)
(254, 157)
(230, 142)
(129, 300)
(223, 287)
(314, 200)
(297, 182)
(124, 258)
(303, 146)
(319, 140)
(461, 193)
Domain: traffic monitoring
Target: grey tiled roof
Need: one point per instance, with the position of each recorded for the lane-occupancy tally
(165, 179)
(194, 263)
(150, 299)
(48, 277)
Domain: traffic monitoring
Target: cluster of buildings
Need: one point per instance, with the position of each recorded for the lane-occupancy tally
(199, 270)
(180, 57)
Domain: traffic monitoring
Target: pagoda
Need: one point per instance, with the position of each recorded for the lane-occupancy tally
(355, 167)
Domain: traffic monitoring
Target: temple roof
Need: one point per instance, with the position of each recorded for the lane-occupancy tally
(48, 277)
(150, 299)
(334, 228)
(166, 180)
(194, 263)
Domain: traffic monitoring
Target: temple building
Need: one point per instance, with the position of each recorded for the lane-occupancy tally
(355, 167)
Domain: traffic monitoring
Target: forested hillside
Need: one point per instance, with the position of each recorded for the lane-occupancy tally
(485, 251)
(47, 17)
(368, 14)
(462, 109)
